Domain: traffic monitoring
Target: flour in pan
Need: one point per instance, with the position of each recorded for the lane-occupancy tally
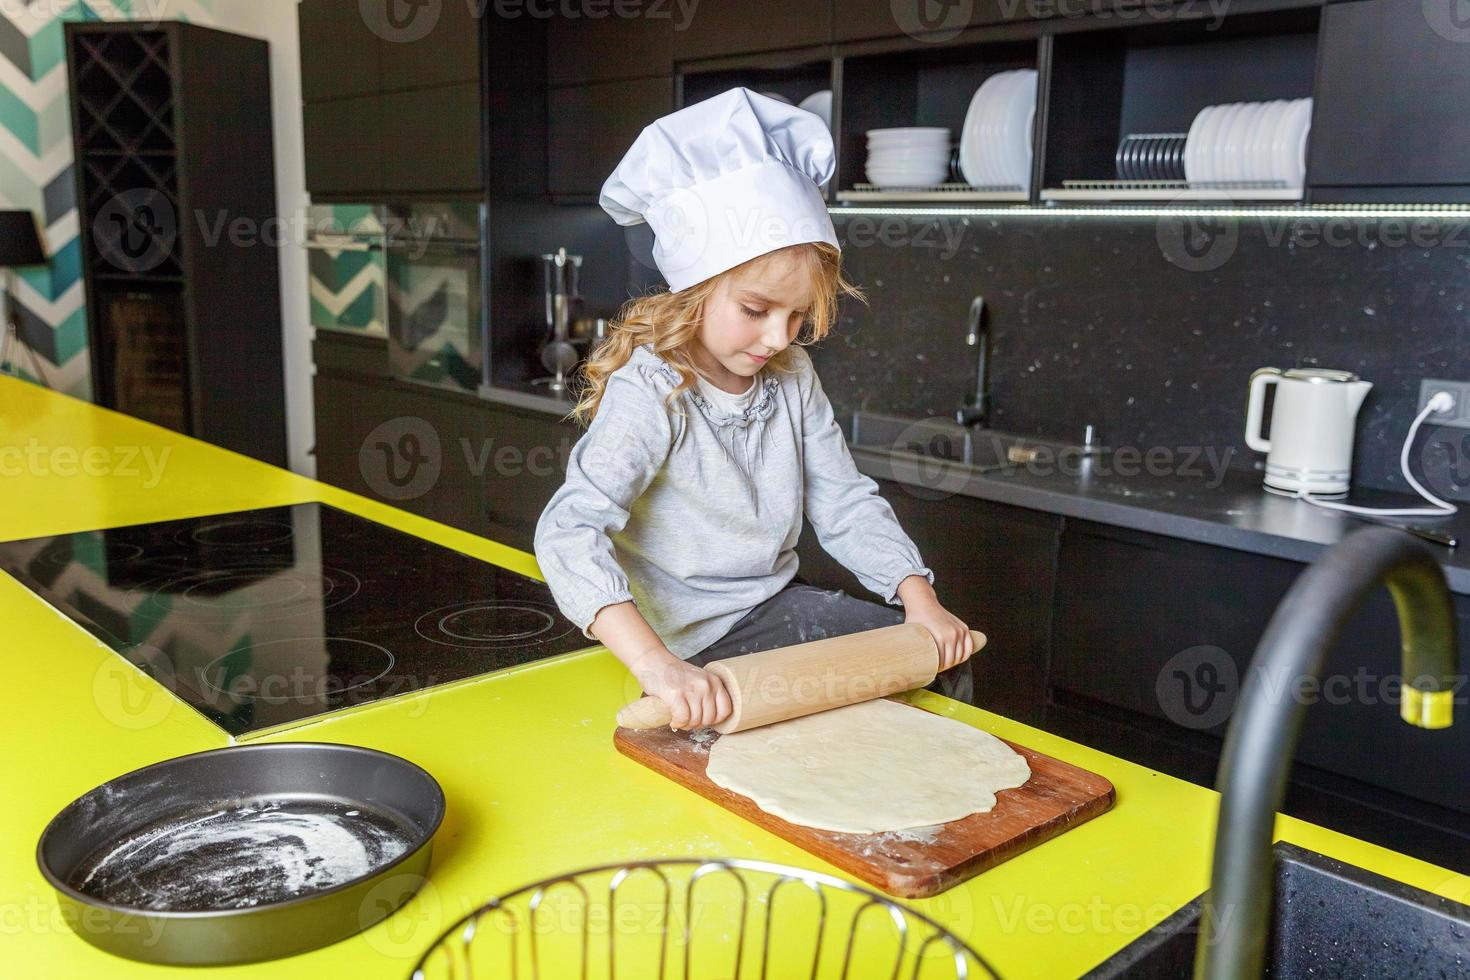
(241, 856)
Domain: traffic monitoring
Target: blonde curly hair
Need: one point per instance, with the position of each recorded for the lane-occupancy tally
(671, 322)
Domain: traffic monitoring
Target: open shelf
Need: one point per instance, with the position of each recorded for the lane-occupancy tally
(937, 194)
(1171, 190)
(1104, 85)
(932, 86)
(127, 153)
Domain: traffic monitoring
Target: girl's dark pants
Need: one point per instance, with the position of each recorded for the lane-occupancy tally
(801, 612)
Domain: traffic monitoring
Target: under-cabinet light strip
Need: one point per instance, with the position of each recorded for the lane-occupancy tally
(1135, 211)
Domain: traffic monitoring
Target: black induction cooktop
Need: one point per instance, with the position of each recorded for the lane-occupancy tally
(266, 617)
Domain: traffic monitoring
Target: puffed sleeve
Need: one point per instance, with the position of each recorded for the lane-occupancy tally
(609, 467)
(854, 524)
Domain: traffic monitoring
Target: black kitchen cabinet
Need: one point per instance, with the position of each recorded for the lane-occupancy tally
(590, 127)
(361, 426)
(431, 139)
(1152, 641)
(598, 49)
(185, 330)
(343, 142)
(1389, 123)
(523, 460)
(854, 20)
(489, 468)
(340, 54)
(994, 567)
(394, 107)
(442, 49)
(724, 27)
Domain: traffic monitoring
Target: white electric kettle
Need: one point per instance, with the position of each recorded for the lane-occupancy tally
(1310, 447)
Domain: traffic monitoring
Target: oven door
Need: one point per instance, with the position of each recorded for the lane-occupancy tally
(436, 310)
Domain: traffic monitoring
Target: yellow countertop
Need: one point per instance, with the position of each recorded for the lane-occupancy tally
(525, 756)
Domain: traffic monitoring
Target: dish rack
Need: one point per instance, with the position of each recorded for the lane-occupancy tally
(1176, 190)
(872, 193)
(697, 918)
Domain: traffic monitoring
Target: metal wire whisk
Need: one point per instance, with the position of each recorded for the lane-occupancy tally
(526, 932)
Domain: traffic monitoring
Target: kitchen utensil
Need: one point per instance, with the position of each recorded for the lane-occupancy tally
(909, 864)
(1310, 446)
(248, 909)
(560, 272)
(773, 685)
(631, 919)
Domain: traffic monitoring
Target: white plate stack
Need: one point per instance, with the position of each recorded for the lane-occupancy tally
(1250, 143)
(995, 144)
(908, 156)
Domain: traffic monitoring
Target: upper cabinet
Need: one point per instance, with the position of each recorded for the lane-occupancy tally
(339, 53)
(1393, 84)
(856, 20)
(1356, 101)
(714, 28)
(430, 49)
(599, 49)
(393, 105)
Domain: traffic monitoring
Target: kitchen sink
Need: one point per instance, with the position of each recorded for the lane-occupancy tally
(1329, 919)
(938, 438)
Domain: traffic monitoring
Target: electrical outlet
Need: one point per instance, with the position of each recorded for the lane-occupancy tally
(1457, 416)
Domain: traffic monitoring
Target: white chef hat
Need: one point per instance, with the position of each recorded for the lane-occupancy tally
(723, 181)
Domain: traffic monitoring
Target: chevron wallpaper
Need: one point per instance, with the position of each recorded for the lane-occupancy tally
(36, 166)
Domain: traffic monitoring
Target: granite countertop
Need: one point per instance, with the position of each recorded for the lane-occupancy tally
(1229, 509)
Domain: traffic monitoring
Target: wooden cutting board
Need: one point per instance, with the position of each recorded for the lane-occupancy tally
(906, 864)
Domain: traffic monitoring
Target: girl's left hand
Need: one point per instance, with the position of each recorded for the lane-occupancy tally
(949, 631)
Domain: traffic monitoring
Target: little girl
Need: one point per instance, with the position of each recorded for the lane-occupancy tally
(672, 541)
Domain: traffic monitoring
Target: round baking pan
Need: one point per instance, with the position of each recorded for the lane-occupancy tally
(185, 862)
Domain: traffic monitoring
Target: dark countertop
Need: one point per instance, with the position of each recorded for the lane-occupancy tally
(1232, 511)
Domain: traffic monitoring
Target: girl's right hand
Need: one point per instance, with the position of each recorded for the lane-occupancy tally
(696, 698)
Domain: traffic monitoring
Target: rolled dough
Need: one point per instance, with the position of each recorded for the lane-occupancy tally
(867, 768)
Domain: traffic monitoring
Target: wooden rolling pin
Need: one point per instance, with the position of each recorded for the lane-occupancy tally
(802, 679)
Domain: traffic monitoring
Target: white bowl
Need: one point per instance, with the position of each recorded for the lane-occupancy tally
(907, 178)
(924, 154)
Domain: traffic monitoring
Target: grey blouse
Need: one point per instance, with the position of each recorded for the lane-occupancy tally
(694, 513)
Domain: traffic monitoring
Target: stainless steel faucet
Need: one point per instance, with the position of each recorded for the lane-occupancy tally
(976, 410)
(1268, 720)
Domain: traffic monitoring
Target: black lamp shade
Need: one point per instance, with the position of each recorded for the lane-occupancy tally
(19, 243)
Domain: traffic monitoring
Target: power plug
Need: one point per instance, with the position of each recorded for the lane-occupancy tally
(1448, 401)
